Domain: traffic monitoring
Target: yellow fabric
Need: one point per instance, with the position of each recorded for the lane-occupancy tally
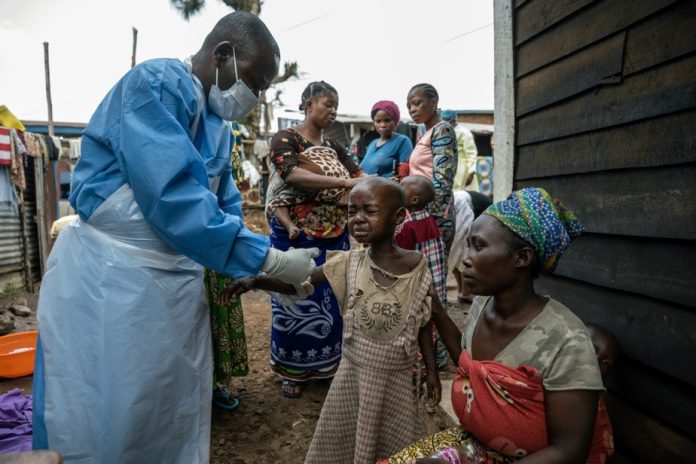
(9, 120)
(466, 159)
(58, 224)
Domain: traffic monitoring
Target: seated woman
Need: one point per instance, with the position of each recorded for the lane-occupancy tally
(528, 382)
(385, 154)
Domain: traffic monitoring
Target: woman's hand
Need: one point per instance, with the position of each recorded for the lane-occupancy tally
(307, 180)
(350, 183)
(235, 289)
(434, 388)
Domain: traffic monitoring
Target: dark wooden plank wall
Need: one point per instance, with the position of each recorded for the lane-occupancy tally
(605, 116)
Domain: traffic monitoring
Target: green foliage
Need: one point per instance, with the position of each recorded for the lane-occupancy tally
(188, 8)
(290, 71)
(9, 289)
(252, 6)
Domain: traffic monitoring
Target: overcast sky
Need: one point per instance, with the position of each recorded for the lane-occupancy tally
(368, 49)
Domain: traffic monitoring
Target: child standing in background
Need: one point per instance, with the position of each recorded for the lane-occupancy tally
(370, 410)
(420, 232)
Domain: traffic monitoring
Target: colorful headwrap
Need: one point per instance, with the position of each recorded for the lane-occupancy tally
(535, 217)
(388, 106)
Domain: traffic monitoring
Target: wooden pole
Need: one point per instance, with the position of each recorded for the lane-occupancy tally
(51, 130)
(135, 45)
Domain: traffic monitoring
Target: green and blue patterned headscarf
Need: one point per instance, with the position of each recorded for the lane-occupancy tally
(541, 221)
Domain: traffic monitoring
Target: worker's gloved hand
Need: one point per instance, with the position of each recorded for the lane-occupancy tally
(302, 291)
(293, 266)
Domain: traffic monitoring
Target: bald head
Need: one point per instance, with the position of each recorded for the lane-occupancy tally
(389, 193)
(419, 192)
(245, 31)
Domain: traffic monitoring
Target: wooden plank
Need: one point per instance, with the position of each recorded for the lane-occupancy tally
(644, 440)
(657, 334)
(541, 14)
(666, 89)
(600, 20)
(504, 133)
(659, 141)
(657, 202)
(628, 264)
(579, 72)
(667, 400)
(665, 36)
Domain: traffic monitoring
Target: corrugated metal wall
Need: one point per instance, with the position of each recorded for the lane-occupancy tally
(12, 254)
(30, 224)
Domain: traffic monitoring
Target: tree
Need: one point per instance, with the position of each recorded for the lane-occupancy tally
(189, 8)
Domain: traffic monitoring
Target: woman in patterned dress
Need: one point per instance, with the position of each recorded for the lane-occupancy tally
(311, 179)
(434, 156)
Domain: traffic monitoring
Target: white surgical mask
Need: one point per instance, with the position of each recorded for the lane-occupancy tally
(234, 102)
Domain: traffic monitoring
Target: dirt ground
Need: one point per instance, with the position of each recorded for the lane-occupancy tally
(266, 428)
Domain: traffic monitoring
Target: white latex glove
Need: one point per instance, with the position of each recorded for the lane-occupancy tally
(293, 266)
(302, 290)
(287, 301)
(250, 173)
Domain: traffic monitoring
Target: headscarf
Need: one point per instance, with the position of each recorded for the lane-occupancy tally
(541, 221)
(388, 106)
(449, 115)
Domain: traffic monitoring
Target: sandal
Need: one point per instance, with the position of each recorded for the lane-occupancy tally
(222, 398)
(291, 389)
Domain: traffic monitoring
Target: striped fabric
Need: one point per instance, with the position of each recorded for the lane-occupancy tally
(5, 149)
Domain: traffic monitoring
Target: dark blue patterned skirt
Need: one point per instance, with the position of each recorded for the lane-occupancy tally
(306, 338)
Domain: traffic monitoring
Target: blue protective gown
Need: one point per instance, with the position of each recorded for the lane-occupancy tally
(141, 135)
(123, 368)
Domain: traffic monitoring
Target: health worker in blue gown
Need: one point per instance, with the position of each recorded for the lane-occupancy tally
(123, 367)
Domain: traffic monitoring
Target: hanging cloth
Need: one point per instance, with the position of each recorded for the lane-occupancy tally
(8, 195)
(5, 148)
(18, 151)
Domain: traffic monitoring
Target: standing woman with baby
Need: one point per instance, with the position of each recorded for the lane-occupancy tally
(306, 203)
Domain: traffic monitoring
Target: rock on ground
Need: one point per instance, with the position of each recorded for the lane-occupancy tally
(21, 310)
(7, 323)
